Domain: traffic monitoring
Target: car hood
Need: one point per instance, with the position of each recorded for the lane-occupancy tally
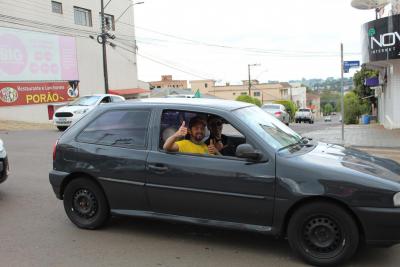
(355, 161)
(74, 108)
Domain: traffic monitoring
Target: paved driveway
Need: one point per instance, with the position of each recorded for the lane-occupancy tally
(34, 230)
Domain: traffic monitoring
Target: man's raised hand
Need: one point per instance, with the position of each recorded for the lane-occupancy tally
(182, 132)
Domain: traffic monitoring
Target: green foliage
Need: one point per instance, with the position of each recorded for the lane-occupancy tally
(290, 107)
(332, 98)
(249, 99)
(328, 109)
(352, 108)
(360, 89)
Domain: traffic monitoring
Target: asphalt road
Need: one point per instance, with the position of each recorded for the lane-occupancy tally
(34, 230)
(319, 124)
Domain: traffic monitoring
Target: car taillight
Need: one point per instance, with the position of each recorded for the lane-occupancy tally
(278, 113)
(54, 150)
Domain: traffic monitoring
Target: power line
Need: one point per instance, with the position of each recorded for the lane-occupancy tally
(247, 49)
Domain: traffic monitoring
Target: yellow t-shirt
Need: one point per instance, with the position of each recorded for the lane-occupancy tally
(187, 146)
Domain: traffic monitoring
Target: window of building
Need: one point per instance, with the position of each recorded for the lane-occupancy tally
(205, 85)
(243, 93)
(109, 22)
(121, 128)
(56, 7)
(234, 93)
(82, 16)
(257, 94)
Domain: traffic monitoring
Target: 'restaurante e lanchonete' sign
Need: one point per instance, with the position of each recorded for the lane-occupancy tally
(381, 39)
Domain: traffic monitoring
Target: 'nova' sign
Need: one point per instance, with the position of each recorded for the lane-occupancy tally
(385, 40)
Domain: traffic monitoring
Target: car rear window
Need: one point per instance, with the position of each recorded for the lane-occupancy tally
(271, 107)
(304, 109)
(121, 128)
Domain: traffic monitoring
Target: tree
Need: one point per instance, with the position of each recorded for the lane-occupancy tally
(249, 99)
(361, 89)
(328, 108)
(290, 107)
(352, 108)
(331, 97)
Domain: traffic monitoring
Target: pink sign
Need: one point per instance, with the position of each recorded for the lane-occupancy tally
(32, 56)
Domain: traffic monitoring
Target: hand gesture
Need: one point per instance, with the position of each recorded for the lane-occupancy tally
(211, 148)
(182, 132)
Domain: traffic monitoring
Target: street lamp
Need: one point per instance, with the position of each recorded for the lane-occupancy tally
(102, 38)
(251, 65)
(131, 5)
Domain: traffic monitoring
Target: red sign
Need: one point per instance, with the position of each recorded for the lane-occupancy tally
(13, 94)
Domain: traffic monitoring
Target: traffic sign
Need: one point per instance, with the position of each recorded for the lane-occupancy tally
(347, 65)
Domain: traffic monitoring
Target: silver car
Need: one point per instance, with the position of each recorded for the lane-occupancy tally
(279, 111)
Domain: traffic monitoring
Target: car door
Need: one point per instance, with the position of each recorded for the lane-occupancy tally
(113, 148)
(211, 187)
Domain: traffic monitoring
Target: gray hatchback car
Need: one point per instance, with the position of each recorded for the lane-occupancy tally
(326, 199)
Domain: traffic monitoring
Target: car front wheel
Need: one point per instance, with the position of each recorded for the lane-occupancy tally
(85, 204)
(323, 234)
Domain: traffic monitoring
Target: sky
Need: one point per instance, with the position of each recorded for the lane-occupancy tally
(217, 39)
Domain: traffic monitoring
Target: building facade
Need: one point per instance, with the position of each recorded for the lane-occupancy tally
(265, 92)
(168, 82)
(380, 42)
(81, 20)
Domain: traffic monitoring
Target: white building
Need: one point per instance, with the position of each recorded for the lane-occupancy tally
(81, 20)
(380, 51)
(298, 94)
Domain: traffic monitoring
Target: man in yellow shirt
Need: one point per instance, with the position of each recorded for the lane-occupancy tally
(193, 145)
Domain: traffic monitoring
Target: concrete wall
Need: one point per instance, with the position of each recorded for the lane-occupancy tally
(389, 101)
(122, 66)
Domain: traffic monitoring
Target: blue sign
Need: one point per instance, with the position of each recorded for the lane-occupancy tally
(347, 65)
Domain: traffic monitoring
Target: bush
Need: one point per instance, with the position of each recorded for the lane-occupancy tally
(352, 108)
(249, 99)
(290, 107)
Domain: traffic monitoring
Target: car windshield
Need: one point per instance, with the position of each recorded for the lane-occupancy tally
(85, 101)
(268, 128)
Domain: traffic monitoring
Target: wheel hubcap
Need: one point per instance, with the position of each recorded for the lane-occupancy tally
(85, 203)
(322, 236)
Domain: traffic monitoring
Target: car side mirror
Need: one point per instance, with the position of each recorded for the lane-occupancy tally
(247, 151)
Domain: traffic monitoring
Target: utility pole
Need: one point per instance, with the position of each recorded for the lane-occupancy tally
(103, 38)
(250, 65)
(342, 90)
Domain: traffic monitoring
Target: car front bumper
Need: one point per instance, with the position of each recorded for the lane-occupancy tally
(56, 180)
(381, 225)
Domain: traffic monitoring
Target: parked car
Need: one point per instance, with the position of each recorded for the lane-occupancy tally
(65, 116)
(305, 115)
(327, 118)
(326, 199)
(4, 167)
(279, 111)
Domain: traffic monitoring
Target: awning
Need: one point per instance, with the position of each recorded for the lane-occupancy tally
(132, 91)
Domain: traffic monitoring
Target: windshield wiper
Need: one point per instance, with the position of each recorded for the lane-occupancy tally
(302, 143)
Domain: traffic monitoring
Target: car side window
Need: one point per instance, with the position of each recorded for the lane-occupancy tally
(121, 128)
(106, 99)
(116, 99)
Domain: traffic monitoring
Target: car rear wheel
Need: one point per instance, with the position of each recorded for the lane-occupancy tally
(85, 204)
(62, 128)
(323, 234)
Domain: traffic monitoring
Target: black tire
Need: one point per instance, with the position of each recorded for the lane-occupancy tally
(323, 234)
(86, 204)
(62, 128)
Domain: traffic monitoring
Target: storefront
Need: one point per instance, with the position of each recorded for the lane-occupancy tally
(381, 51)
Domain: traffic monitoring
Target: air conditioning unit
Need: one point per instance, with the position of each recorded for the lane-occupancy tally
(378, 90)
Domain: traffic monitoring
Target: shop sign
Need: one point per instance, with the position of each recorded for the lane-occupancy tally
(381, 39)
(14, 94)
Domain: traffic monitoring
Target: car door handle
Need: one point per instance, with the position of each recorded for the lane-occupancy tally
(158, 168)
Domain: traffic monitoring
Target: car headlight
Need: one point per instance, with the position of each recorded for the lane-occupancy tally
(81, 111)
(396, 200)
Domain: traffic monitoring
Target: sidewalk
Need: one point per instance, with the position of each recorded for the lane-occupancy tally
(19, 125)
(371, 135)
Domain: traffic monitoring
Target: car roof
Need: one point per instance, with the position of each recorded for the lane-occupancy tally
(227, 105)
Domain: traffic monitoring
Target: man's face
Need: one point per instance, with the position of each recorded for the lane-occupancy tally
(198, 131)
(215, 127)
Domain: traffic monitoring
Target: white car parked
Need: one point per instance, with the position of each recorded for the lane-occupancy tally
(65, 116)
